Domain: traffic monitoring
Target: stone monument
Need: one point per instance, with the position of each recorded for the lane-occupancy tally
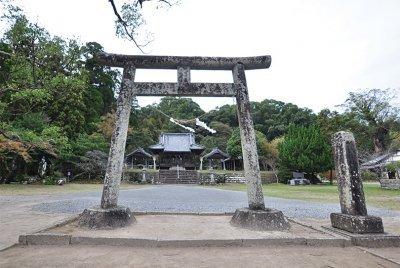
(354, 217)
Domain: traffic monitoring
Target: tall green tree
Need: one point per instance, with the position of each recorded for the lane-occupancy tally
(376, 113)
(305, 149)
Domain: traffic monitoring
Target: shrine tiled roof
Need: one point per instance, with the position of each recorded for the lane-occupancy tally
(216, 154)
(177, 142)
(139, 152)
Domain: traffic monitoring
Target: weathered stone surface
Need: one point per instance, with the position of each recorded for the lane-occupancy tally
(265, 220)
(354, 217)
(173, 62)
(99, 218)
(187, 90)
(48, 239)
(183, 75)
(248, 140)
(377, 241)
(115, 163)
(357, 224)
(393, 184)
(350, 186)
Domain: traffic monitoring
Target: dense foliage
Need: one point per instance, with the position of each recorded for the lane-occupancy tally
(305, 149)
(52, 98)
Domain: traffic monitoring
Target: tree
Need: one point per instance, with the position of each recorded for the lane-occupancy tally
(305, 149)
(270, 117)
(234, 145)
(225, 114)
(130, 19)
(217, 140)
(93, 165)
(270, 155)
(374, 111)
(101, 78)
(273, 117)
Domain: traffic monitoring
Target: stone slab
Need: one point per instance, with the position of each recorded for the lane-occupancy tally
(113, 241)
(61, 239)
(357, 224)
(334, 242)
(266, 219)
(377, 241)
(182, 231)
(384, 240)
(47, 239)
(98, 218)
(201, 243)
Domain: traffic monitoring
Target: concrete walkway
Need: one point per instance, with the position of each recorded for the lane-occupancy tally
(102, 256)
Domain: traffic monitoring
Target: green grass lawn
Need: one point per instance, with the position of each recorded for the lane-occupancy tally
(374, 195)
(33, 189)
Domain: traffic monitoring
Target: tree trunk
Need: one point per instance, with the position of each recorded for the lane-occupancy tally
(380, 140)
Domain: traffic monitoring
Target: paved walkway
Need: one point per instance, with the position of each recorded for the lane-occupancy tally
(102, 256)
(25, 214)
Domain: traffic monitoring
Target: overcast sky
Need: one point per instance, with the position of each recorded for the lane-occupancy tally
(321, 49)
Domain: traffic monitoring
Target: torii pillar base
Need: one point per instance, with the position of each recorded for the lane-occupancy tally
(110, 218)
(260, 220)
(357, 224)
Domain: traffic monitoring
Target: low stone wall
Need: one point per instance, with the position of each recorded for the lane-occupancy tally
(390, 183)
(236, 177)
(268, 177)
(205, 178)
(137, 176)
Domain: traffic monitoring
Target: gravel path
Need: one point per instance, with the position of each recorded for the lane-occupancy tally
(178, 198)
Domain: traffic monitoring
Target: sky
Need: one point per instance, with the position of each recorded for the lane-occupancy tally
(321, 49)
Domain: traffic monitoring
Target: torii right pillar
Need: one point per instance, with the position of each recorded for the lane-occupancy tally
(354, 217)
(256, 216)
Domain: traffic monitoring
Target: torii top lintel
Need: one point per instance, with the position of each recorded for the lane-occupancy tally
(173, 62)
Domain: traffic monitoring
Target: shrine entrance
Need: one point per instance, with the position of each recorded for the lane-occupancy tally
(256, 214)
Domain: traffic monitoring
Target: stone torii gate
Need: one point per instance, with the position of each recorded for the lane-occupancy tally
(109, 214)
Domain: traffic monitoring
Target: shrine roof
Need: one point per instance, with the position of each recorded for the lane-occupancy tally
(216, 154)
(139, 152)
(177, 142)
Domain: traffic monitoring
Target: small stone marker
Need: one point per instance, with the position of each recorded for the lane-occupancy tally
(354, 216)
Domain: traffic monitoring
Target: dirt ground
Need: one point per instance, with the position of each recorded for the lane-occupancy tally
(101, 256)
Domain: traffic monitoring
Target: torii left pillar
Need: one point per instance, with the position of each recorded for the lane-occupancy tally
(109, 214)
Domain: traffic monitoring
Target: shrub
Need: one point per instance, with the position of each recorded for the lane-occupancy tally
(367, 175)
(284, 175)
(304, 149)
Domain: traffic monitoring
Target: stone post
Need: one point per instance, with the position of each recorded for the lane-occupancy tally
(110, 214)
(201, 163)
(248, 138)
(112, 178)
(354, 216)
(183, 76)
(154, 163)
(256, 216)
